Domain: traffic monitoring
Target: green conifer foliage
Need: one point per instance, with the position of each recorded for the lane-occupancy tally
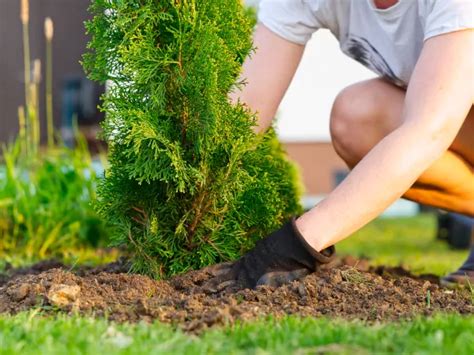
(189, 183)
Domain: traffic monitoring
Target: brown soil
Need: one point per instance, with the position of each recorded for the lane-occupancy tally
(349, 289)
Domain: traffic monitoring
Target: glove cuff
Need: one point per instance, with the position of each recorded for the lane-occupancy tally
(324, 256)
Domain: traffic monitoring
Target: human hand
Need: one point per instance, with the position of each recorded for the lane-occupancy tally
(280, 258)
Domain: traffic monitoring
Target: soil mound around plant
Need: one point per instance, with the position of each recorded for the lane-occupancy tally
(343, 291)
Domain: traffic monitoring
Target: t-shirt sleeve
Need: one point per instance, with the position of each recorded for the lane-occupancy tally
(293, 20)
(449, 16)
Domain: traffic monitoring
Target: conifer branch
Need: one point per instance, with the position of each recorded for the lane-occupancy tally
(180, 149)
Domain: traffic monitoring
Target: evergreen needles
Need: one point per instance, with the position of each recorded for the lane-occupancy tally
(189, 183)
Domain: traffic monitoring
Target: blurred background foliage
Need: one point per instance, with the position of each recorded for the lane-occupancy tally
(45, 201)
(45, 191)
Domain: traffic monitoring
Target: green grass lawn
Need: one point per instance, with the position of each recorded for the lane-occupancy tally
(32, 334)
(407, 241)
(410, 242)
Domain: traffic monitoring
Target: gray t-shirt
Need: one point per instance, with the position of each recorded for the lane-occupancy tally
(388, 42)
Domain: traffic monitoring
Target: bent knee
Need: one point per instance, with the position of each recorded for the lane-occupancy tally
(362, 114)
(346, 114)
(352, 112)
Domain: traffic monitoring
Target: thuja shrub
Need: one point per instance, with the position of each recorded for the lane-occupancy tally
(189, 182)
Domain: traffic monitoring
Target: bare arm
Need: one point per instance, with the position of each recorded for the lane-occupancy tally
(268, 74)
(438, 100)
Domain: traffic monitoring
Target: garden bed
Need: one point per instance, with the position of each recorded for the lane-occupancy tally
(349, 290)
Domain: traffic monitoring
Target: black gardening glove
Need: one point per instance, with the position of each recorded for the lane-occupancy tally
(280, 258)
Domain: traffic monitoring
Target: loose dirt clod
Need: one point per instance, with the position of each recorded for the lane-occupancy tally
(63, 295)
(341, 291)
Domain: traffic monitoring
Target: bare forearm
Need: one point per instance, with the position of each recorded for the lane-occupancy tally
(375, 183)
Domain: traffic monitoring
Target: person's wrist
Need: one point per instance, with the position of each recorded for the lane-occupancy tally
(304, 228)
(322, 256)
